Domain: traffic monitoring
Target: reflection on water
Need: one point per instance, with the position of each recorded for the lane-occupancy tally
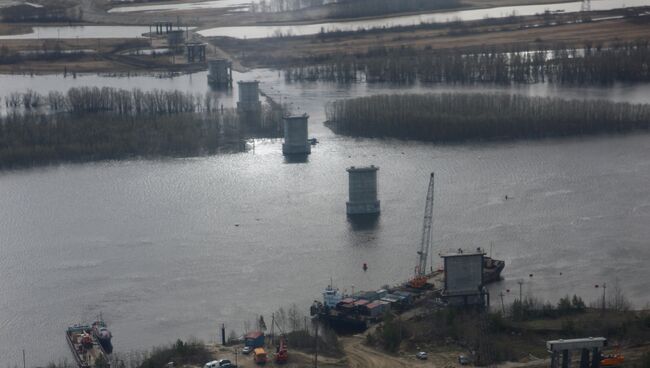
(296, 159)
(214, 4)
(363, 222)
(409, 20)
(72, 32)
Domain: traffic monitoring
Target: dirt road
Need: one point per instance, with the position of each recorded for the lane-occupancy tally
(359, 355)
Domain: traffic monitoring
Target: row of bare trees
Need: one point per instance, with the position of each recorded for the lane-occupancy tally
(118, 101)
(624, 62)
(466, 116)
(87, 124)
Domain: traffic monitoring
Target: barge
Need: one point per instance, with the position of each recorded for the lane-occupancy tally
(355, 313)
(85, 348)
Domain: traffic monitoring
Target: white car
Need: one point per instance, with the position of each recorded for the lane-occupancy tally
(212, 364)
(463, 359)
(247, 350)
(422, 355)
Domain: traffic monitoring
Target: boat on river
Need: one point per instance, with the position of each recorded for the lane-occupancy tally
(85, 347)
(492, 269)
(103, 335)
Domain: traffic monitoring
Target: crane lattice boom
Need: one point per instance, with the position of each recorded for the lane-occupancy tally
(426, 232)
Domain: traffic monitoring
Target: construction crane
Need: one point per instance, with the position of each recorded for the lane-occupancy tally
(419, 281)
(281, 352)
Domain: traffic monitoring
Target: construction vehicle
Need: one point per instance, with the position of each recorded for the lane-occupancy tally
(259, 356)
(281, 352)
(419, 281)
(613, 360)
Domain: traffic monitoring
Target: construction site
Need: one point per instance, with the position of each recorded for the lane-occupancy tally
(438, 318)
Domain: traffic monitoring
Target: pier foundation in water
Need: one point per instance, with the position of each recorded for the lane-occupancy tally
(295, 135)
(362, 191)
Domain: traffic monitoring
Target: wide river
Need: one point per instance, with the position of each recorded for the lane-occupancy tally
(172, 248)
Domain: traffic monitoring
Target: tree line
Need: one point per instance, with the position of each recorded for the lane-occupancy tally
(118, 101)
(87, 124)
(449, 117)
(622, 62)
(34, 13)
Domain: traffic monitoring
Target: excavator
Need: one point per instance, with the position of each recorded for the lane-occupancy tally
(419, 281)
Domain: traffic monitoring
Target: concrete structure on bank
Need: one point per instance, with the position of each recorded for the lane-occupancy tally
(295, 135)
(175, 38)
(561, 349)
(464, 280)
(362, 184)
(249, 96)
(195, 52)
(220, 72)
(162, 27)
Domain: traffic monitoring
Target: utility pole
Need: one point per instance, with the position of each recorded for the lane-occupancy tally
(24, 365)
(520, 282)
(272, 328)
(316, 354)
(503, 306)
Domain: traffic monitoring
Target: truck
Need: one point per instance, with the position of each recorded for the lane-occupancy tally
(259, 356)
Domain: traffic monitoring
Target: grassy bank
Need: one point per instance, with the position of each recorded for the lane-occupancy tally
(453, 117)
(497, 35)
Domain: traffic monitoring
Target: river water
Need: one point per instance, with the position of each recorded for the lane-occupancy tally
(409, 20)
(172, 248)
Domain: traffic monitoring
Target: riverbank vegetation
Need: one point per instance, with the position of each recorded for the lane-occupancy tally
(62, 11)
(88, 124)
(590, 64)
(181, 353)
(454, 117)
(427, 42)
(503, 335)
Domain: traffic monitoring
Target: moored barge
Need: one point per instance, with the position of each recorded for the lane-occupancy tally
(86, 350)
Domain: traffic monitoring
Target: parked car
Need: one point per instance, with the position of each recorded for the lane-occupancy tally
(247, 350)
(225, 363)
(463, 359)
(212, 364)
(422, 355)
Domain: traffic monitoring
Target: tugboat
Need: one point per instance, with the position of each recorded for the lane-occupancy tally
(103, 335)
(492, 269)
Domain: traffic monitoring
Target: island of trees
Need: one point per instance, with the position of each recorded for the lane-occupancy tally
(452, 117)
